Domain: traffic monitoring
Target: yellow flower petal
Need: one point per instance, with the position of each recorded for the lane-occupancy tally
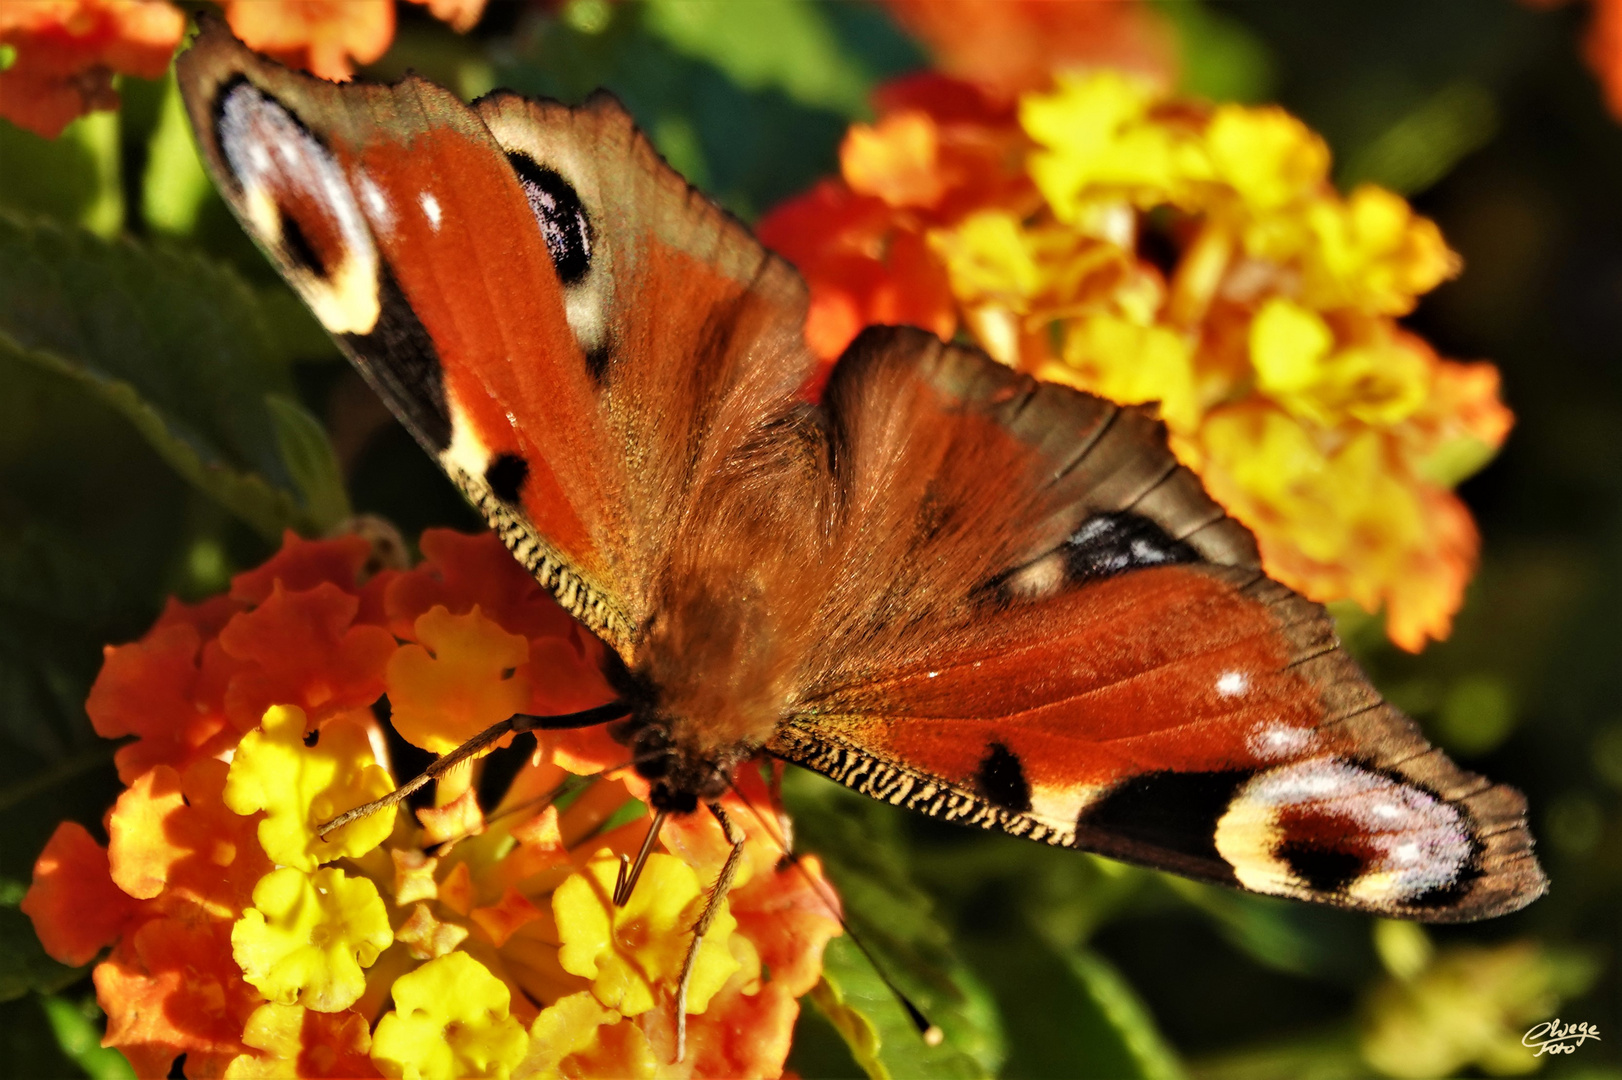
(307, 937)
(302, 787)
(450, 1020)
(577, 1037)
(466, 674)
(1267, 156)
(1288, 345)
(288, 1040)
(1132, 364)
(1372, 252)
(1096, 143)
(630, 952)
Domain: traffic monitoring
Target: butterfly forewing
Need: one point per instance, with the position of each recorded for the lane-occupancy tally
(517, 282)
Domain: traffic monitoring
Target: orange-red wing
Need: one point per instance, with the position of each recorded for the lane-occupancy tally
(570, 331)
(1075, 645)
(690, 328)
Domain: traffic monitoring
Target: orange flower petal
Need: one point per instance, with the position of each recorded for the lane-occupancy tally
(171, 834)
(457, 819)
(68, 51)
(303, 564)
(463, 15)
(148, 688)
(460, 571)
(323, 37)
(299, 648)
(499, 921)
(1009, 46)
(75, 907)
(467, 674)
(172, 988)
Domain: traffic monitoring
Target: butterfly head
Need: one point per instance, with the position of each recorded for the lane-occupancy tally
(681, 776)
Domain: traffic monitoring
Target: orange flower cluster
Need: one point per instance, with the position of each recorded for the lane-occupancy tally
(1102, 234)
(457, 944)
(63, 55)
(1602, 47)
(65, 52)
(1007, 47)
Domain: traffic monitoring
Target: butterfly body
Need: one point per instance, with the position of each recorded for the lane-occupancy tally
(936, 581)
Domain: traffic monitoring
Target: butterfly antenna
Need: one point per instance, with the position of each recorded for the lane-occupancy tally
(929, 1032)
(475, 746)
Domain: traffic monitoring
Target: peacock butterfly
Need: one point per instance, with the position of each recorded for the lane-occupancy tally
(938, 582)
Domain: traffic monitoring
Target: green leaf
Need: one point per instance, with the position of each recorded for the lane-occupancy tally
(24, 967)
(1328, 1054)
(1219, 58)
(1284, 935)
(310, 458)
(78, 1033)
(785, 45)
(180, 347)
(747, 147)
(856, 839)
(1122, 1030)
(176, 186)
(1067, 1011)
(1423, 146)
(74, 177)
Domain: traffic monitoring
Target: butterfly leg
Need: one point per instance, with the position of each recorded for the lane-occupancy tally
(723, 885)
(518, 722)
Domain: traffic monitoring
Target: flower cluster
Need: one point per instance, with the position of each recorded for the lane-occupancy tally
(450, 943)
(64, 53)
(1602, 47)
(1102, 234)
(1006, 47)
(67, 51)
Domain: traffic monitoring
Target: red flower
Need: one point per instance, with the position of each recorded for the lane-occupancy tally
(67, 52)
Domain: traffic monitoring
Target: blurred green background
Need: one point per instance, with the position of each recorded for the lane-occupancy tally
(162, 401)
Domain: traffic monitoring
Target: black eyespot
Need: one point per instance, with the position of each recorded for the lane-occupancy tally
(597, 363)
(297, 249)
(506, 476)
(1001, 779)
(312, 737)
(1108, 544)
(1323, 869)
(561, 216)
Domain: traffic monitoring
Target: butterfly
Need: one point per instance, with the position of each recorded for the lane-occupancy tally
(936, 581)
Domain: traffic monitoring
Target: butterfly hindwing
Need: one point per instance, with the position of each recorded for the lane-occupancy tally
(1085, 652)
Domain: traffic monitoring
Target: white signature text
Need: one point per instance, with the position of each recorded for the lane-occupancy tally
(1554, 1037)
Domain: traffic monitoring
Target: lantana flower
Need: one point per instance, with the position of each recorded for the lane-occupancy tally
(66, 52)
(450, 941)
(1149, 249)
(63, 54)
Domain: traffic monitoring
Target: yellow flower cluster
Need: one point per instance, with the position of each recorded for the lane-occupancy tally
(1201, 258)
